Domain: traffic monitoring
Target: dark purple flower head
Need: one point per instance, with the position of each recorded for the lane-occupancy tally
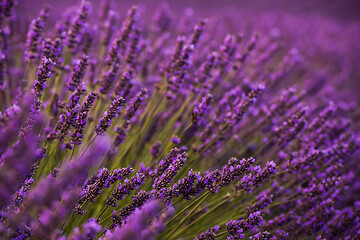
(109, 78)
(57, 50)
(133, 48)
(109, 27)
(34, 37)
(8, 7)
(261, 236)
(75, 96)
(177, 163)
(212, 180)
(43, 74)
(237, 228)
(241, 108)
(119, 174)
(256, 177)
(78, 73)
(138, 201)
(291, 127)
(124, 86)
(198, 30)
(155, 149)
(81, 119)
(209, 234)
(121, 133)
(2, 71)
(120, 44)
(77, 28)
(135, 104)
(177, 53)
(137, 225)
(205, 70)
(175, 139)
(201, 108)
(264, 200)
(131, 109)
(163, 18)
(124, 189)
(112, 112)
(47, 48)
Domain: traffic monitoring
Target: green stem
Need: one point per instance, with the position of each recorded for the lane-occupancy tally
(204, 215)
(184, 219)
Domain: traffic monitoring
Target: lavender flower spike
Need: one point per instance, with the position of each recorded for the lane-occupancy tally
(80, 123)
(201, 108)
(137, 225)
(123, 189)
(237, 228)
(78, 73)
(34, 37)
(110, 113)
(43, 74)
(209, 234)
(76, 30)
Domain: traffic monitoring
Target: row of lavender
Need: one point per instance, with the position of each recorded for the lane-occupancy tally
(169, 129)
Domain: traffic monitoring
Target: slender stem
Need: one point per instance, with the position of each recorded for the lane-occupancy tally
(26, 77)
(188, 206)
(72, 154)
(71, 221)
(102, 212)
(220, 234)
(87, 147)
(204, 215)
(163, 210)
(184, 219)
(108, 227)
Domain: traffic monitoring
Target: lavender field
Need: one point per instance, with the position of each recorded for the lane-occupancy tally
(182, 120)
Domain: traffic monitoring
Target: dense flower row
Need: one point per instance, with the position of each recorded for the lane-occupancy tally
(170, 129)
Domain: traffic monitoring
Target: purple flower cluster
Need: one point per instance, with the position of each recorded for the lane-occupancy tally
(237, 228)
(119, 125)
(124, 189)
(110, 113)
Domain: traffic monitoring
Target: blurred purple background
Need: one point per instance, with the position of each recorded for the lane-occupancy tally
(326, 31)
(342, 10)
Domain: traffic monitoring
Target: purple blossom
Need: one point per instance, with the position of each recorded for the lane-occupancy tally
(200, 109)
(124, 189)
(78, 73)
(77, 28)
(112, 112)
(155, 149)
(34, 36)
(208, 234)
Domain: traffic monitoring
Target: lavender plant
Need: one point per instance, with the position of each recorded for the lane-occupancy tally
(171, 129)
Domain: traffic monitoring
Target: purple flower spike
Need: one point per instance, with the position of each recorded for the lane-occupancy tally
(163, 180)
(201, 108)
(34, 37)
(209, 234)
(112, 112)
(81, 120)
(78, 73)
(155, 149)
(43, 74)
(237, 228)
(77, 29)
(124, 189)
(138, 201)
(137, 225)
(109, 78)
(135, 104)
